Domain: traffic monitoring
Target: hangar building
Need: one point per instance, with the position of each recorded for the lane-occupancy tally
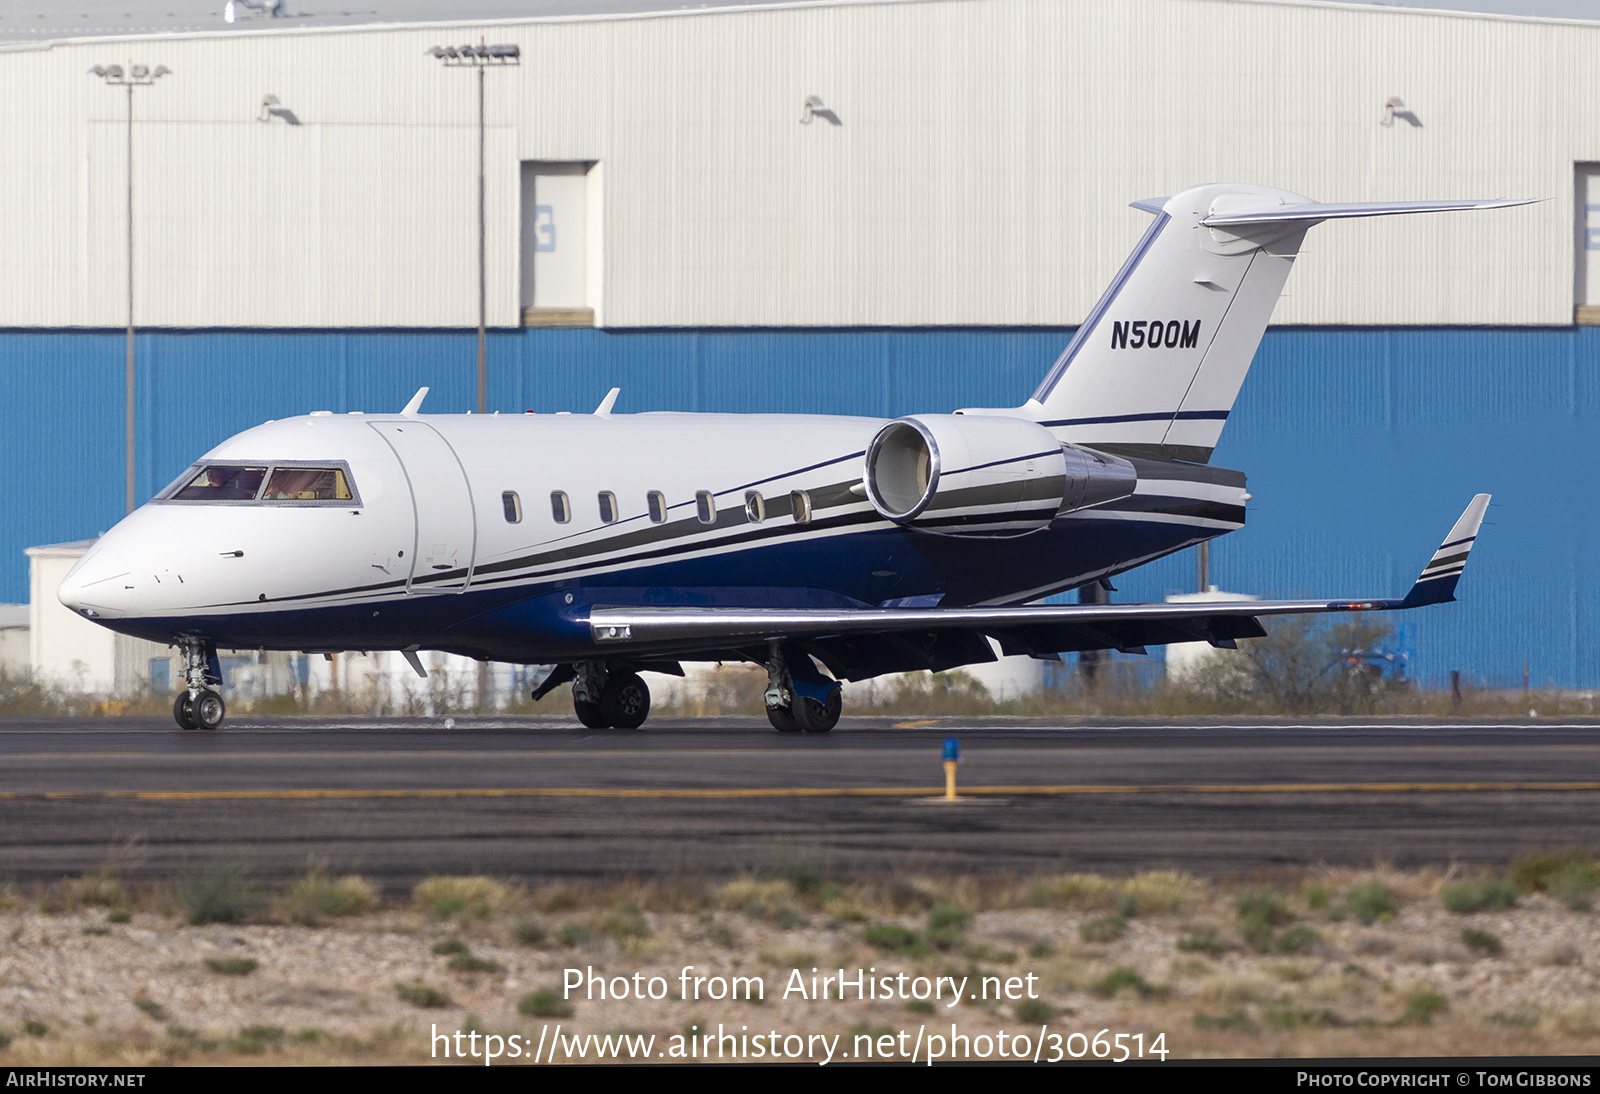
(838, 207)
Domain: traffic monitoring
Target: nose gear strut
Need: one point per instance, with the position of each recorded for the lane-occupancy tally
(198, 705)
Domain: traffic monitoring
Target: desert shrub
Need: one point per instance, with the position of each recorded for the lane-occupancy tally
(232, 966)
(254, 1040)
(220, 893)
(626, 922)
(1481, 942)
(1370, 901)
(151, 1008)
(467, 962)
(1202, 939)
(947, 924)
(1106, 929)
(447, 946)
(98, 888)
(1285, 1017)
(315, 896)
(1262, 904)
(544, 1003)
(1423, 1006)
(1034, 1010)
(1491, 895)
(419, 994)
(1574, 884)
(529, 932)
(462, 897)
(893, 938)
(1159, 892)
(574, 934)
(1081, 891)
(1123, 979)
(1297, 938)
(1235, 1020)
(1531, 873)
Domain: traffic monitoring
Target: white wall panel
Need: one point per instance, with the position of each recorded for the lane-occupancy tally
(980, 177)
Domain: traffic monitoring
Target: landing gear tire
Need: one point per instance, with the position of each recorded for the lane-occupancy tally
(589, 714)
(815, 717)
(625, 701)
(782, 720)
(181, 712)
(207, 710)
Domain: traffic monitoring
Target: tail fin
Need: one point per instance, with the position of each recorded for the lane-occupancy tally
(1155, 368)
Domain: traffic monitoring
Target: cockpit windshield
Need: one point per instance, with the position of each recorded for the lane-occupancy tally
(263, 483)
(222, 484)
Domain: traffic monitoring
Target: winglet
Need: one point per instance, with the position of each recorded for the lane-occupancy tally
(410, 652)
(604, 409)
(416, 401)
(1437, 584)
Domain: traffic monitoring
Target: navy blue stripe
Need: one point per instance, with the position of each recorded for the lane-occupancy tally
(1081, 339)
(1454, 542)
(1181, 416)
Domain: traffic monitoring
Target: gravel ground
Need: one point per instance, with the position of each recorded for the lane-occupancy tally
(76, 987)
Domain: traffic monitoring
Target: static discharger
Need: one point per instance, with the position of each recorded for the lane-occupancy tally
(952, 756)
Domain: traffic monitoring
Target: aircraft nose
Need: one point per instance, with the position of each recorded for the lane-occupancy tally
(99, 586)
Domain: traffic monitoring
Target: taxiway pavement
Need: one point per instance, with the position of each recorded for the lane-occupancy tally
(400, 799)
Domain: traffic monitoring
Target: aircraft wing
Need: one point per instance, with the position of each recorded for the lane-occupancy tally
(1040, 629)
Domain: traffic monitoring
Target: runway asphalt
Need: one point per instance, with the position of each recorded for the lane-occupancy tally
(538, 798)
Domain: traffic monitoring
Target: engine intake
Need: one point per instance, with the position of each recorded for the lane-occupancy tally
(985, 475)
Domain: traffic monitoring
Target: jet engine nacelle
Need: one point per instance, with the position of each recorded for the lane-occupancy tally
(985, 475)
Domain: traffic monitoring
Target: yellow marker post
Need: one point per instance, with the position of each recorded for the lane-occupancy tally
(952, 756)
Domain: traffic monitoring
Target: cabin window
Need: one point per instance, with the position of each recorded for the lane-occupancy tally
(560, 507)
(755, 510)
(222, 484)
(705, 507)
(306, 484)
(800, 506)
(658, 507)
(513, 507)
(608, 507)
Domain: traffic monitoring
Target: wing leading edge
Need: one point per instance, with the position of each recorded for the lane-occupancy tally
(1041, 629)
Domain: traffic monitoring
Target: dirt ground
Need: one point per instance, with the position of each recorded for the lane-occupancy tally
(1332, 964)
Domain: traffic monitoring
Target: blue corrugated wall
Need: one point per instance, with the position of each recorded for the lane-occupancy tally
(1361, 445)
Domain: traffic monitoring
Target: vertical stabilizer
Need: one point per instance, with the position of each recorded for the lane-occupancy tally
(1156, 366)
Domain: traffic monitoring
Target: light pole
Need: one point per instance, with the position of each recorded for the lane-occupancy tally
(480, 57)
(131, 77)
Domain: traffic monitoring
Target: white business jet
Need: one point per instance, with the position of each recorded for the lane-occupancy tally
(824, 548)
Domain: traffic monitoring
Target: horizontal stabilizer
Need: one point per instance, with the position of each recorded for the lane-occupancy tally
(1263, 213)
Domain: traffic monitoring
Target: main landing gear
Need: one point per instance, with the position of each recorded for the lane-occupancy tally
(609, 699)
(799, 698)
(198, 705)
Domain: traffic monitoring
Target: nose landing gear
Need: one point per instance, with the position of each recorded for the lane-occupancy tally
(198, 706)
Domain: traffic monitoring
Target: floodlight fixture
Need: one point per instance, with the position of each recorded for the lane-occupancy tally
(474, 56)
(481, 57)
(135, 75)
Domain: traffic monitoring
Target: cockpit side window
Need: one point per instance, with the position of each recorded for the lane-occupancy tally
(219, 483)
(307, 484)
